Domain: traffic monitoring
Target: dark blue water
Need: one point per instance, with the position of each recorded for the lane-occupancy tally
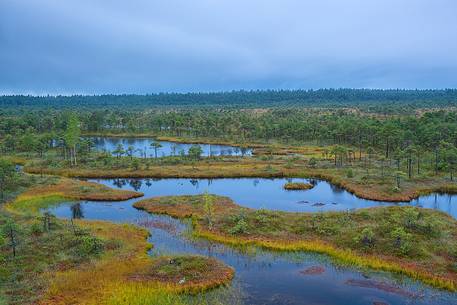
(263, 277)
(143, 146)
(269, 194)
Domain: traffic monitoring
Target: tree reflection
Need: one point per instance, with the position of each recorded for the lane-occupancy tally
(136, 184)
(119, 183)
(194, 182)
(77, 211)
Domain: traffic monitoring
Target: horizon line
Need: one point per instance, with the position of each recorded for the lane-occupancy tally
(81, 94)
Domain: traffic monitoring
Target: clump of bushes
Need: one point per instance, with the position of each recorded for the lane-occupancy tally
(402, 240)
(89, 245)
(241, 227)
(366, 238)
(240, 224)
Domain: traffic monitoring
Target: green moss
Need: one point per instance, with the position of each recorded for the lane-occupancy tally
(33, 205)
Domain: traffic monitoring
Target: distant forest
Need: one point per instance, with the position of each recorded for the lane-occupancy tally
(375, 100)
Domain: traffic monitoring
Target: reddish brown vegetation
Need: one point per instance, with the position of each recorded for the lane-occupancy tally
(381, 286)
(314, 270)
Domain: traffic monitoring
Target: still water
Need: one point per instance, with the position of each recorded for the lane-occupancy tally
(268, 277)
(142, 146)
(269, 194)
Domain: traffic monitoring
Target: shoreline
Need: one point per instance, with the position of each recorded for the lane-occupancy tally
(358, 191)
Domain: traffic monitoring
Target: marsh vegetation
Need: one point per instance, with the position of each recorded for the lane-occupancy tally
(330, 148)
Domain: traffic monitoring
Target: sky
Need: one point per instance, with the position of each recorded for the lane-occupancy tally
(150, 46)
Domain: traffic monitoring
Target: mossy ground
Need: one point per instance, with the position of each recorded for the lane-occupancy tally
(40, 252)
(418, 242)
(188, 273)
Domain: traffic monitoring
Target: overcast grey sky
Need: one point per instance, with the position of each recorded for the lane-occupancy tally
(144, 46)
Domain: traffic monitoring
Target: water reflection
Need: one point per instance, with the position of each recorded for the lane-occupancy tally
(141, 147)
(136, 184)
(76, 211)
(270, 194)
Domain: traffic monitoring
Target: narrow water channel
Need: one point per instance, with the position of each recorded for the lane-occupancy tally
(263, 277)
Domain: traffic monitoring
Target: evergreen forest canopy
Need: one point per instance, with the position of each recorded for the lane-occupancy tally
(373, 100)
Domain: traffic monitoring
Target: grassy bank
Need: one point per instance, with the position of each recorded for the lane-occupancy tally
(419, 243)
(55, 190)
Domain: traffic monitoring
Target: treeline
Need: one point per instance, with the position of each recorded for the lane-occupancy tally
(398, 138)
(286, 125)
(370, 99)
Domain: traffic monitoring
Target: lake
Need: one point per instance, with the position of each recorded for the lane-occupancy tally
(142, 146)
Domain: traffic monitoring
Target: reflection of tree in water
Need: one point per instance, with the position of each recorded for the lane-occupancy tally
(148, 182)
(77, 211)
(449, 204)
(417, 203)
(336, 189)
(119, 183)
(244, 151)
(194, 182)
(136, 184)
(210, 181)
(313, 182)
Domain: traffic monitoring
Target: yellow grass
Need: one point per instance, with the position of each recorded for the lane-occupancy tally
(344, 256)
(188, 207)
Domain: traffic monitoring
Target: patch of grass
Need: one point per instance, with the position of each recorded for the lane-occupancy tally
(186, 273)
(297, 186)
(143, 294)
(420, 243)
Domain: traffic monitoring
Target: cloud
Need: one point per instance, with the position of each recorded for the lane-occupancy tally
(140, 46)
